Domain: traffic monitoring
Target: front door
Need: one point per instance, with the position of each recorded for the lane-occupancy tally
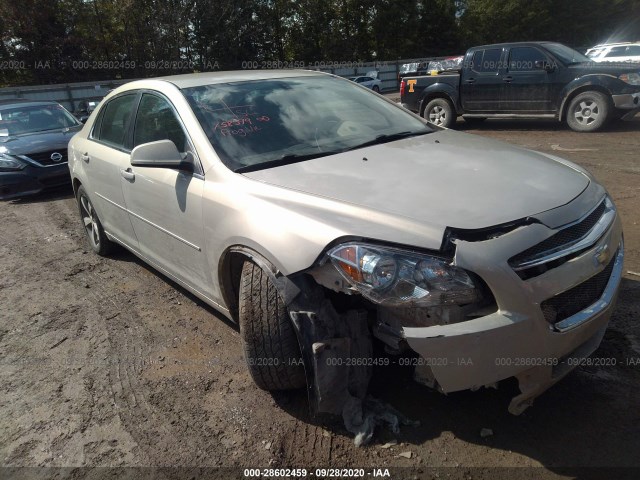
(165, 205)
(529, 81)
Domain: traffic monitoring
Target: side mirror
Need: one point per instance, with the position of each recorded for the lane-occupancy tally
(160, 154)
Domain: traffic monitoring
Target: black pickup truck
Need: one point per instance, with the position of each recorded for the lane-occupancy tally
(527, 80)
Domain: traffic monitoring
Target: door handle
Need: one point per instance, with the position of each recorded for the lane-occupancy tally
(470, 80)
(128, 174)
(508, 78)
(85, 157)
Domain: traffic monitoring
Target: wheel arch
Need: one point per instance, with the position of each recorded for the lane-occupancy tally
(568, 97)
(439, 90)
(230, 270)
(75, 183)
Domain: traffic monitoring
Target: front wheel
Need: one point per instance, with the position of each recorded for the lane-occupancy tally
(588, 112)
(440, 112)
(271, 346)
(376, 88)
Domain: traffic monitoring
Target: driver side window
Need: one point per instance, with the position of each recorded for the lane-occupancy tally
(155, 121)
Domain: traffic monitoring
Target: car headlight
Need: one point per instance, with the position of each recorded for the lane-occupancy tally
(8, 163)
(396, 277)
(630, 78)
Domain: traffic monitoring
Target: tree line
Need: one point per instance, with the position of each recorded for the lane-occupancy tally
(57, 41)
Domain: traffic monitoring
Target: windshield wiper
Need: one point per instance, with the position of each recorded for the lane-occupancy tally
(285, 160)
(295, 158)
(392, 137)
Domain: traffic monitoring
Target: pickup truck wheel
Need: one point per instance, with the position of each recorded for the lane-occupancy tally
(588, 112)
(271, 347)
(439, 111)
(98, 240)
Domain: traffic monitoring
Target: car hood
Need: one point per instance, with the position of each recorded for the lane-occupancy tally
(441, 179)
(605, 68)
(38, 141)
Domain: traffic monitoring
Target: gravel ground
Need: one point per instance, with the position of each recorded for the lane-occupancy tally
(104, 362)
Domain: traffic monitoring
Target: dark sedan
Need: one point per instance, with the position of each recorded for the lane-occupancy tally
(33, 146)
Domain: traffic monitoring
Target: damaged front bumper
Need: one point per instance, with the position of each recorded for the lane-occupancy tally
(521, 339)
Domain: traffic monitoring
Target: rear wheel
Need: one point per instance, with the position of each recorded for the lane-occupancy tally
(271, 346)
(376, 88)
(589, 112)
(439, 111)
(98, 240)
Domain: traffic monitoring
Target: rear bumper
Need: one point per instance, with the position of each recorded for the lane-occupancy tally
(628, 101)
(32, 180)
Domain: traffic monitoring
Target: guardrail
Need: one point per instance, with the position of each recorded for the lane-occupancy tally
(70, 95)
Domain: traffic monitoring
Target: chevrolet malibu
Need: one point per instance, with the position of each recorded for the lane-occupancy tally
(326, 220)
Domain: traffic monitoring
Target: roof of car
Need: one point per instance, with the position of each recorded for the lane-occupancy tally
(615, 44)
(511, 44)
(199, 79)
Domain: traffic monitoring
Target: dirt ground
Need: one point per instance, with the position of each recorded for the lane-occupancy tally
(104, 362)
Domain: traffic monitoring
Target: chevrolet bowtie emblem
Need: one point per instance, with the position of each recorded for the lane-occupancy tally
(602, 255)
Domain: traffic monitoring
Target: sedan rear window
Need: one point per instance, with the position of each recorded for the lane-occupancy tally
(258, 124)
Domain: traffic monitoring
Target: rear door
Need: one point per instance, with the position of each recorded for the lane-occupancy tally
(105, 156)
(165, 205)
(527, 84)
(481, 84)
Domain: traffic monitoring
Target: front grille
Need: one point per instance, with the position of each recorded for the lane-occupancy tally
(578, 298)
(563, 239)
(44, 158)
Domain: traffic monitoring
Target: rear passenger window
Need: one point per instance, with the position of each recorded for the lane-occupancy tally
(487, 61)
(633, 50)
(115, 119)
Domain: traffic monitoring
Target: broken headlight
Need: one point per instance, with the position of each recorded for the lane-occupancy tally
(395, 277)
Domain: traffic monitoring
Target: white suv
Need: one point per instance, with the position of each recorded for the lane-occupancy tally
(615, 52)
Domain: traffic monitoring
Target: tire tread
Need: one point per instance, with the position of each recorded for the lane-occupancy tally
(267, 332)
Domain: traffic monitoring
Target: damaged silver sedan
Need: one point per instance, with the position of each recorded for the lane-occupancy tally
(323, 218)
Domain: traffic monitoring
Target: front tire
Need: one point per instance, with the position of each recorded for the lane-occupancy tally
(270, 343)
(440, 112)
(376, 89)
(96, 237)
(589, 112)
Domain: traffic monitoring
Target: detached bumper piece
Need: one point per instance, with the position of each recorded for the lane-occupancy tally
(337, 353)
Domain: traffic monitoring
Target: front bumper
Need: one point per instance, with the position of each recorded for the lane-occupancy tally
(517, 340)
(627, 101)
(32, 180)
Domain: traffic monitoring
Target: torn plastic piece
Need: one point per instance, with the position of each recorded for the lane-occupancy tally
(362, 417)
(328, 340)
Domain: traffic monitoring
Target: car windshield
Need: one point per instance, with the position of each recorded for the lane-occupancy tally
(566, 54)
(24, 119)
(260, 124)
